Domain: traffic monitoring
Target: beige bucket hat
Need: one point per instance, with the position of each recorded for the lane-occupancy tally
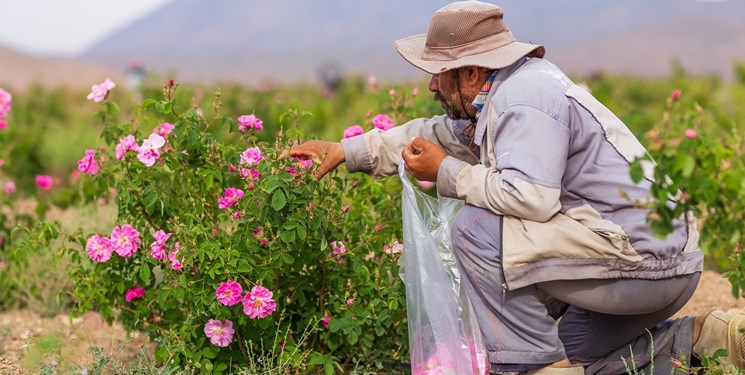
(466, 33)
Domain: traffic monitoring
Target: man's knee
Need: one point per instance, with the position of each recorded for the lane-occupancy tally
(473, 223)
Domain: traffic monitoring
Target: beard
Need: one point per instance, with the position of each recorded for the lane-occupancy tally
(451, 107)
(454, 103)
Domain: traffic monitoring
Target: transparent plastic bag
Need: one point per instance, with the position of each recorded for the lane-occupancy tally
(444, 337)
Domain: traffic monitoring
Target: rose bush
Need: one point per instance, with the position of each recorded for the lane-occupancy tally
(700, 165)
(215, 241)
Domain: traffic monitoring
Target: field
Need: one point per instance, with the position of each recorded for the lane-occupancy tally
(318, 257)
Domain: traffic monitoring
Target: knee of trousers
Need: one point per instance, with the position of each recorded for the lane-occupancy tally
(476, 230)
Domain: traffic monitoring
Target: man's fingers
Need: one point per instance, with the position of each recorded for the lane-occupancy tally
(408, 153)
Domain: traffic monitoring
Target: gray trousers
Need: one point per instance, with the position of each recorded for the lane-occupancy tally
(597, 323)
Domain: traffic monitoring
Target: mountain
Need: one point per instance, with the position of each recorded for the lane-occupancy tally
(18, 71)
(287, 40)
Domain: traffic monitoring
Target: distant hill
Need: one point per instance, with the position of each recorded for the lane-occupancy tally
(248, 40)
(18, 71)
(288, 40)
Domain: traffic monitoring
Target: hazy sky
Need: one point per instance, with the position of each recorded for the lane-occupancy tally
(65, 27)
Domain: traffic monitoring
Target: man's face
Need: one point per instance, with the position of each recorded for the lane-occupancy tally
(454, 101)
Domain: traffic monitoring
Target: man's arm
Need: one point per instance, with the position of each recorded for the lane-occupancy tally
(378, 153)
(329, 154)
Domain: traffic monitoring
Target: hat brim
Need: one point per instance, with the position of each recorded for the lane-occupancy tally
(412, 48)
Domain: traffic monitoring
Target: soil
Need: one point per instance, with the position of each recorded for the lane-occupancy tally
(21, 327)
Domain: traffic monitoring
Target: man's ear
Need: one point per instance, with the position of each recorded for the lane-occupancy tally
(473, 75)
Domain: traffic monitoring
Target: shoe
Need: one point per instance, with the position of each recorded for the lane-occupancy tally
(723, 330)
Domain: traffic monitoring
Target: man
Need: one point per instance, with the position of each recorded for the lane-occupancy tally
(550, 229)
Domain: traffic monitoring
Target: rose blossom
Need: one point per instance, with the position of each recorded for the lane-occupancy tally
(149, 152)
(99, 92)
(691, 133)
(125, 240)
(164, 129)
(675, 95)
(338, 247)
(395, 248)
(6, 100)
(134, 293)
(220, 334)
(353, 131)
(158, 246)
(44, 181)
(88, 163)
(258, 303)
(232, 195)
(246, 122)
(251, 156)
(383, 122)
(9, 187)
(175, 262)
(128, 143)
(425, 184)
(325, 321)
(3, 124)
(229, 293)
(99, 248)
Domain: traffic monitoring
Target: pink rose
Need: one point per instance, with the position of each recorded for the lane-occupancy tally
(100, 91)
(88, 163)
(125, 240)
(258, 303)
(246, 122)
(229, 293)
(134, 293)
(99, 248)
(219, 333)
(353, 131)
(45, 182)
(383, 122)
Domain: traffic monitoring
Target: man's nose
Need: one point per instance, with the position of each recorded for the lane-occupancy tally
(434, 84)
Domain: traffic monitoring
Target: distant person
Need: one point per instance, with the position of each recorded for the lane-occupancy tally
(549, 229)
(330, 76)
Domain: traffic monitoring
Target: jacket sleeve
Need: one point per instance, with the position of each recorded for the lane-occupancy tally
(530, 152)
(378, 153)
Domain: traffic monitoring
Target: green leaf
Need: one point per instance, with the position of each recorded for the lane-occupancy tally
(278, 200)
(301, 232)
(111, 108)
(636, 171)
(271, 184)
(151, 198)
(688, 163)
(145, 272)
(147, 103)
(287, 236)
(287, 258)
(209, 352)
(168, 107)
(352, 337)
(221, 367)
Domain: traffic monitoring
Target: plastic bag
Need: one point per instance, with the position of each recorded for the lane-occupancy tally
(444, 337)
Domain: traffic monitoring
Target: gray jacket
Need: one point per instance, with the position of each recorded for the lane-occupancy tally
(555, 163)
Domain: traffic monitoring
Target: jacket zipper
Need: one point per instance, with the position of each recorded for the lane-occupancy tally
(505, 287)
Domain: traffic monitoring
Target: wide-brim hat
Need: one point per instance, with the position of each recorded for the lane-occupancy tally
(466, 33)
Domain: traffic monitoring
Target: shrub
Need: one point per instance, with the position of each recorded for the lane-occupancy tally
(214, 238)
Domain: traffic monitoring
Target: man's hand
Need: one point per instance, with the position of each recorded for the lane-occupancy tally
(329, 154)
(422, 159)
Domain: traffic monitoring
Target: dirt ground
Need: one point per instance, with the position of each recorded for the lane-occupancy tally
(20, 327)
